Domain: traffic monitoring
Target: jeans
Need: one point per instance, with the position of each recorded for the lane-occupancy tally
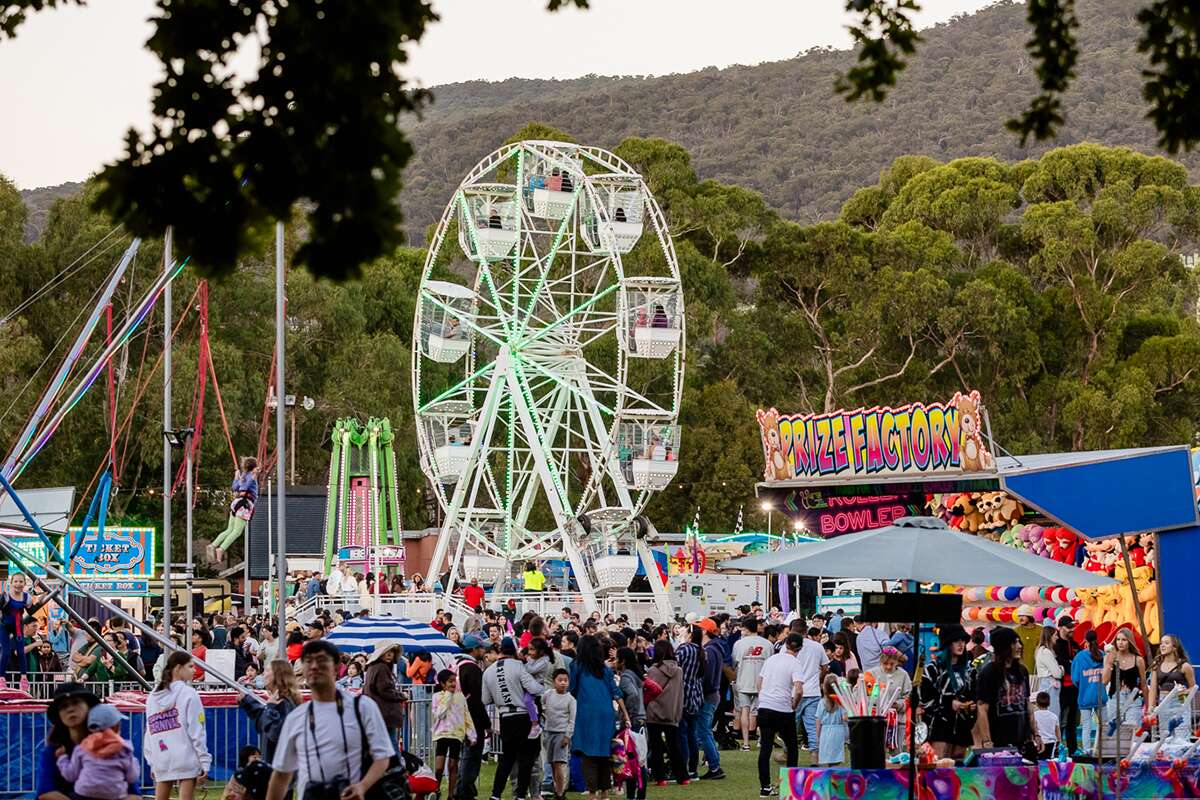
(689, 751)
(1130, 701)
(1068, 717)
(468, 768)
(517, 750)
(703, 731)
(1050, 687)
(771, 722)
(806, 714)
(1091, 725)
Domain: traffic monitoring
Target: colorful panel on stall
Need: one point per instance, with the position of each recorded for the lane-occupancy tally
(1157, 781)
(977, 783)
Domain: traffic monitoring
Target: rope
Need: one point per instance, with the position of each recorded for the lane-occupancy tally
(212, 371)
(58, 278)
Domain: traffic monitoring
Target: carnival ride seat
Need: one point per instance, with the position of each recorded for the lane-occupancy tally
(447, 311)
(450, 427)
(487, 221)
(612, 220)
(648, 453)
(652, 319)
(549, 191)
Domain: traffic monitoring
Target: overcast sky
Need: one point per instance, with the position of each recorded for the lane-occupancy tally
(75, 79)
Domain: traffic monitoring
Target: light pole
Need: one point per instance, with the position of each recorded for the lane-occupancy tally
(181, 439)
(166, 498)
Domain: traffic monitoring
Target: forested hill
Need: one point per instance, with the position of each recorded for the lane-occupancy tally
(780, 129)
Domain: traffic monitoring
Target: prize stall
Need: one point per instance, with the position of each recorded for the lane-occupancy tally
(1129, 514)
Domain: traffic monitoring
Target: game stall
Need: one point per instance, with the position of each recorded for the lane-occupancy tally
(1129, 514)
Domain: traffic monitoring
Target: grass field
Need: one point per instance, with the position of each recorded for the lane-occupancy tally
(742, 769)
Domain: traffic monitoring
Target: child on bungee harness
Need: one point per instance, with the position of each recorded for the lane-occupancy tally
(245, 495)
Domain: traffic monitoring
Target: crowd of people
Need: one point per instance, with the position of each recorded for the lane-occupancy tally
(639, 704)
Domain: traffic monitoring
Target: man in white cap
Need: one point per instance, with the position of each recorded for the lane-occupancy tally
(1030, 633)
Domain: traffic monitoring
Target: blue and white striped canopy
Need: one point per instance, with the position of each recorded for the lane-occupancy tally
(360, 634)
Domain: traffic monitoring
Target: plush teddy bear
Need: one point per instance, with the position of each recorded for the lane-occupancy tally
(776, 466)
(965, 515)
(973, 455)
(1011, 537)
(1147, 588)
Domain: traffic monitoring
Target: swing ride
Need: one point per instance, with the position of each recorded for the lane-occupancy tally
(546, 385)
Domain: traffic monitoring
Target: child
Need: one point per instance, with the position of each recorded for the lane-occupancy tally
(451, 725)
(832, 731)
(559, 709)
(245, 495)
(103, 766)
(238, 787)
(353, 678)
(251, 679)
(1046, 723)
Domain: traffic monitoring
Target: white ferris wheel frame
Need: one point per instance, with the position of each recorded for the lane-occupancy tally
(540, 379)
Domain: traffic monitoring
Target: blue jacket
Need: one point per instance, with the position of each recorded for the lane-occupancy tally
(1087, 674)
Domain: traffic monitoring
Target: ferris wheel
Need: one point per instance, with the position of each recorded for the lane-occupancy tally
(547, 366)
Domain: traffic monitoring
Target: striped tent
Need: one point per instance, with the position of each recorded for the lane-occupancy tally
(359, 635)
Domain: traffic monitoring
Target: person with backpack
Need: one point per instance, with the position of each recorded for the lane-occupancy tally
(505, 685)
(470, 682)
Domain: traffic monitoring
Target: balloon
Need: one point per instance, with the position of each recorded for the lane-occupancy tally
(1012, 593)
(1029, 594)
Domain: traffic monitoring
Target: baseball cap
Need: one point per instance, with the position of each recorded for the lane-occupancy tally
(1066, 622)
(708, 624)
(104, 716)
(471, 641)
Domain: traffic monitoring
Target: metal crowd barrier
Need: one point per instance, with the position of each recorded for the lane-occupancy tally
(42, 685)
(22, 734)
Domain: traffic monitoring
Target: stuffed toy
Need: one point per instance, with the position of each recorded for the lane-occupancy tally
(1062, 544)
(972, 454)
(964, 515)
(1034, 537)
(1148, 543)
(1102, 556)
(776, 466)
(1147, 588)
(1012, 538)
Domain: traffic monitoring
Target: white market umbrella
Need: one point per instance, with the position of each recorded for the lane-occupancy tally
(361, 634)
(922, 549)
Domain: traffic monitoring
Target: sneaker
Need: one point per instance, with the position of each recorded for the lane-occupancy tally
(684, 782)
(693, 776)
(713, 775)
(766, 792)
(660, 783)
(3, 683)
(23, 684)
(211, 553)
(745, 748)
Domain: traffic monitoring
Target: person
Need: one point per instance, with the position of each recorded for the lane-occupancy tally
(474, 594)
(175, 744)
(871, 640)
(1005, 718)
(780, 689)
(1125, 679)
(1049, 671)
(832, 730)
(353, 679)
(103, 766)
(335, 741)
(834, 625)
(690, 658)
(245, 496)
(1068, 695)
(505, 684)
(902, 640)
(1171, 669)
(710, 684)
(1087, 673)
(295, 643)
(283, 695)
(15, 603)
(560, 708)
(251, 778)
(1045, 722)
(59, 636)
(1030, 633)
(380, 685)
(663, 713)
(470, 681)
(813, 662)
(452, 725)
(420, 668)
(67, 716)
(978, 648)
(533, 577)
(592, 683)
(750, 652)
(43, 659)
(889, 672)
(947, 694)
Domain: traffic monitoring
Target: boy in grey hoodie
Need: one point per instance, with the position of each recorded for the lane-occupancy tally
(103, 766)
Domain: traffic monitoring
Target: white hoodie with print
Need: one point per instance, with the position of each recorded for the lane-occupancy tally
(175, 746)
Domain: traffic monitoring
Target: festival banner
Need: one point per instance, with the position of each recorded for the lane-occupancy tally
(915, 439)
(118, 552)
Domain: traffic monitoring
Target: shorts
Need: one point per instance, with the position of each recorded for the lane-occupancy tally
(597, 773)
(447, 747)
(554, 748)
(746, 700)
